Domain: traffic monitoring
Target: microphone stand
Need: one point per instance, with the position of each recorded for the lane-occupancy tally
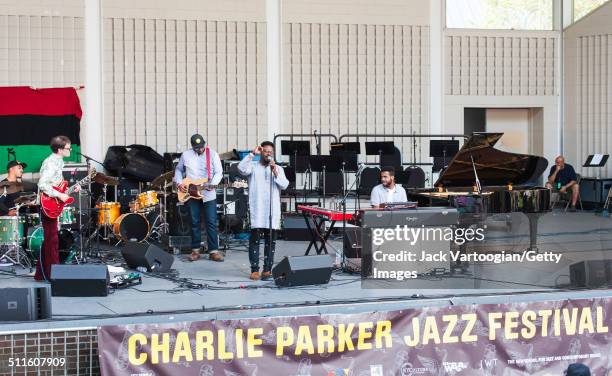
(270, 216)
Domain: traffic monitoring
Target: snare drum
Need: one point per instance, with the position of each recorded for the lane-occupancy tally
(131, 227)
(108, 212)
(147, 199)
(68, 216)
(11, 230)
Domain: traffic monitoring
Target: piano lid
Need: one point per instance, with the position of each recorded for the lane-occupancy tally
(494, 167)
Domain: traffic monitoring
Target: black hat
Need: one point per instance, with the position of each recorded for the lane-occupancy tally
(12, 164)
(197, 141)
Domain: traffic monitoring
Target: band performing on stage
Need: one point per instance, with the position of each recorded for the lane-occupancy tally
(69, 213)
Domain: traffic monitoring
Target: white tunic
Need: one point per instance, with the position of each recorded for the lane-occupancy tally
(259, 192)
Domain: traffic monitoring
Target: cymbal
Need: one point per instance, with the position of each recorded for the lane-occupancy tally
(10, 187)
(9, 183)
(25, 199)
(105, 179)
(158, 182)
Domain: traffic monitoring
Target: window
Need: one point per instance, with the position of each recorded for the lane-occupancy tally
(500, 14)
(584, 7)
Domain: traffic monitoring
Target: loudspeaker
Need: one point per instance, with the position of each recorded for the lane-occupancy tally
(591, 273)
(79, 280)
(149, 256)
(352, 242)
(179, 217)
(302, 271)
(294, 228)
(25, 304)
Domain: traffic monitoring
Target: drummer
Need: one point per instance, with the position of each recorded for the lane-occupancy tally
(15, 174)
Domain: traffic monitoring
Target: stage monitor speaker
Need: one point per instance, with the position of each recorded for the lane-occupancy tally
(303, 270)
(79, 280)
(25, 304)
(294, 228)
(352, 242)
(146, 255)
(591, 273)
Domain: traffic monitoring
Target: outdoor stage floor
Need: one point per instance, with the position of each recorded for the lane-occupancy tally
(227, 293)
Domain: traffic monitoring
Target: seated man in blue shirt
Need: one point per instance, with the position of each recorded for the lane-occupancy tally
(563, 177)
(387, 191)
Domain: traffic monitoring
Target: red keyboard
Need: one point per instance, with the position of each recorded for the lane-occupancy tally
(332, 215)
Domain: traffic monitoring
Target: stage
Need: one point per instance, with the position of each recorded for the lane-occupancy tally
(205, 289)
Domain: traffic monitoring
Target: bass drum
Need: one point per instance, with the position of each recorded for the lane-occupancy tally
(131, 227)
(35, 240)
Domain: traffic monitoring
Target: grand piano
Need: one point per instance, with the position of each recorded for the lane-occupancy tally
(481, 181)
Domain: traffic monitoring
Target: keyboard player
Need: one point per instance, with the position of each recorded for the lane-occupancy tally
(387, 191)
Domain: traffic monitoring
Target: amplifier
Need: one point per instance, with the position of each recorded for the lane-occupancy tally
(380, 252)
(594, 190)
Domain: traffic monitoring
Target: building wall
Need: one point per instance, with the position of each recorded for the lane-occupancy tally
(199, 66)
(42, 43)
(588, 89)
(504, 69)
(356, 67)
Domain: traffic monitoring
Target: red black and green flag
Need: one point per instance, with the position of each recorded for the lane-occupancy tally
(29, 118)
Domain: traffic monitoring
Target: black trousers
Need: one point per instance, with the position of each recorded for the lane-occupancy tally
(256, 234)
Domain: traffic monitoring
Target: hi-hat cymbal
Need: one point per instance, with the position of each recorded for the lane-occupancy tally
(26, 199)
(105, 179)
(159, 181)
(10, 187)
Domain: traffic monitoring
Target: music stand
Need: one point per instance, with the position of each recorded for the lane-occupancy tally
(596, 160)
(348, 146)
(295, 149)
(443, 149)
(324, 164)
(380, 147)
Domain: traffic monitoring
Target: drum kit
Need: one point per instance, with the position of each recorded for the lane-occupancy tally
(146, 218)
(21, 235)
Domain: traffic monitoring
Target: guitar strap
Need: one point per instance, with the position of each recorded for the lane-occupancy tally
(208, 163)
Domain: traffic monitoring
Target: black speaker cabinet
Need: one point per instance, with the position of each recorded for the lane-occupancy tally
(25, 304)
(352, 242)
(303, 270)
(149, 256)
(79, 280)
(591, 273)
(294, 228)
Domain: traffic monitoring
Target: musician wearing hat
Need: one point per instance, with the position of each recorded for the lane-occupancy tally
(13, 187)
(201, 162)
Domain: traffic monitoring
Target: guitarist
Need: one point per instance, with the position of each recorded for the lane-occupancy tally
(50, 176)
(197, 163)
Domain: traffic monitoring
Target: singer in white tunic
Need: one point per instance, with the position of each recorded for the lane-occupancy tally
(259, 176)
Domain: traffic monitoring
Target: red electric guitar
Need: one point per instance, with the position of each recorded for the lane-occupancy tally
(53, 206)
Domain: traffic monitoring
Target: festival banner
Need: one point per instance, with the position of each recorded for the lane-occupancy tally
(533, 338)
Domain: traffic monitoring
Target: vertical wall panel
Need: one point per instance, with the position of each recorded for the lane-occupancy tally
(41, 51)
(356, 78)
(501, 64)
(166, 79)
(593, 95)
